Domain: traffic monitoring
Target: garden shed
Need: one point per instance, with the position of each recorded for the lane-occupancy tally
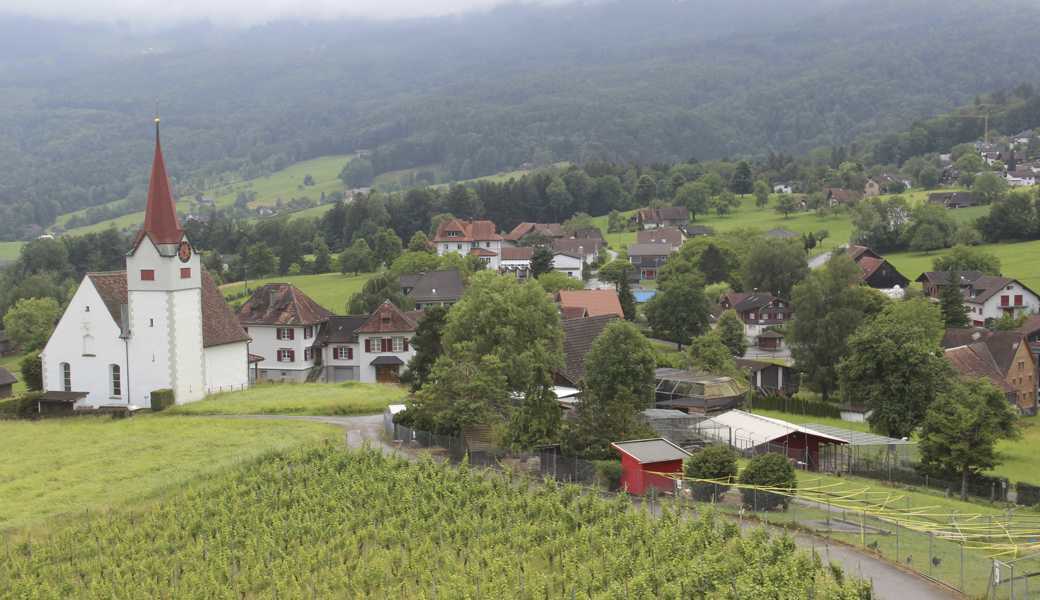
(643, 461)
(755, 434)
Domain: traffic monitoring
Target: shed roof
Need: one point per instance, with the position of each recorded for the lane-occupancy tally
(651, 451)
(761, 430)
(858, 438)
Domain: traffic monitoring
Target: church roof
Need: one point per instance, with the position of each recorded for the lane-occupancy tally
(281, 304)
(161, 224)
(219, 325)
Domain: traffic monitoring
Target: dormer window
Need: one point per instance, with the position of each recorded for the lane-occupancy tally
(386, 319)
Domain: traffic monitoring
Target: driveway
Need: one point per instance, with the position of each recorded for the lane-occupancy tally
(819, 260)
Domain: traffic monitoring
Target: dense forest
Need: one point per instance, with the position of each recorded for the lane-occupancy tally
(620, 81)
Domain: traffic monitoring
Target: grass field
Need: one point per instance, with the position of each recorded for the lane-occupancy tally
(9, 251)
(804, 419)
(331, 290)
(299, 399)
(1018, 260)
(329, 523)
(67, 466)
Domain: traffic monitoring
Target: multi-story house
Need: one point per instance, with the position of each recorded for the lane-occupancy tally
(662, 235)
(478, 238)
(283, 323)
(516, 261)
(435, 288)
(875, 271)
(648, 259)
(665, 216)
(987, 297)
(756, 310)
(1003, 357)
(368, 348)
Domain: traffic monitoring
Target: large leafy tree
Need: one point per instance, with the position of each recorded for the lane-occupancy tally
(961, 430)
(541, 261)
(829, 305)
(30, 321)
(695, 196)
(679, 310)
(761, 192)
(377, 290)
(386, 247)
(646, 189)
(460, 393)
(710, 354)
(618, 385)
(965, 258)
(358, 258)
(730, 330)
(775, 267)
(895, 366)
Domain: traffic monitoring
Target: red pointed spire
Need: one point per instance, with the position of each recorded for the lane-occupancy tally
(160, 216)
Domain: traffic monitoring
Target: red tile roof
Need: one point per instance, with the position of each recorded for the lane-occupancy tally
(975, 360)
(481, 252)
(469, 231)
(596, 302)
(525, 228)
(219, 324)
(281, 304)
(517, 253)
(387, 318)
(573, 312)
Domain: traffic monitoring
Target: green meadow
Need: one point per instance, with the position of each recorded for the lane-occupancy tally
(9, 251)
(331, 290)
(1019, 260)
(350, 398)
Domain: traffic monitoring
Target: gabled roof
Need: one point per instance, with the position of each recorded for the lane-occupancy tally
(387, 318)
(662, 235)
(841, 195)
(578, 336)
(987, 286)
(943, 277)
(856, 252)
(962, 336)
(341, 330)
(745, 301)
(595, 302)
(975, 360)
(588, 233)
(650, 451)
(481, 252)
(651, 249)
(523, 229)
(219, 324)
(522, 253)
(469, 231)
(281, 304)
(161, 224)
(1003, 345)
(434, 286)
(6, 377)
(1031, 325)
(664, 213)
(574, 247)
(759, 429)
(573, 312)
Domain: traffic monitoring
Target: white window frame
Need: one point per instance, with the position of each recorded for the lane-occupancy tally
(284, 354)
(115, 373)
(66, 376)
(397, 345)
(281, 333)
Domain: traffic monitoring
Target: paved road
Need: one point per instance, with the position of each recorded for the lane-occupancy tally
(889, 581)
(819, 260)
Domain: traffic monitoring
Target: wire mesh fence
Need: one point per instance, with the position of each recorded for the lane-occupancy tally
(1017, 579)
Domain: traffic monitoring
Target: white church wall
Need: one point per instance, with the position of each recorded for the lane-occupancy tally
(90, 366)
(188, 361)
(150, 345)
(227, 367)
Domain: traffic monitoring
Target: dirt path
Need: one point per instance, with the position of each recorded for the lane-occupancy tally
(889, 581)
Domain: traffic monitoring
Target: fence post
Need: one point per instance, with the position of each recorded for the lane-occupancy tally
(930, 561)
(962, 565)
(897, 541)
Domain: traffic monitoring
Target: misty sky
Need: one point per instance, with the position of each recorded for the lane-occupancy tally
(241, 12)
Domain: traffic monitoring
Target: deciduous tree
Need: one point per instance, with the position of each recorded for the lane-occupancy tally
(428, 346)
(761, 193)
(679, 310)
(358, 258)
(30, 321)
(730, 330)
(775, 267)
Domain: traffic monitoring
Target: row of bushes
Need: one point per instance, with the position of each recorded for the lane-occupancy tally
(719, 462)
(796, 405)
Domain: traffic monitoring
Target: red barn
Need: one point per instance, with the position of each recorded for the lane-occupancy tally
(641, 460)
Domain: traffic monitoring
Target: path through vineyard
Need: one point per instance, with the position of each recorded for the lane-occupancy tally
(890, 582)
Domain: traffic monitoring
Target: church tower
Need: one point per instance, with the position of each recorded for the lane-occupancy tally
(164, 299)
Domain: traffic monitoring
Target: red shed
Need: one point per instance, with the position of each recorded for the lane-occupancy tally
(641, 460)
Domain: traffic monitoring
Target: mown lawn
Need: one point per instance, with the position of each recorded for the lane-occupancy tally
(9, 251)
(331, 290)
(1018, 260)
(299, 399)
(64, 467)
(805, 419)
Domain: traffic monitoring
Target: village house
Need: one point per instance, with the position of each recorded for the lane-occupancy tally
(770, 340)
(588, 233)
(547, 230)
(875, 271)
(953, 199)
(435, 288)
(578, 336)
(884, 184)
(516, 261)
(648, 259)
(757, 310)
(160, 324)
(592, 303)
(987, 297)
(666, 216)
(283, 323)
(373, 348)
(1031, 329)
(840, 197)
(570, 265)
(1003, 357)
(7, 381)
(664, 235)
(783, 188)
(586, 248)
(470, 237)
(1021, 178)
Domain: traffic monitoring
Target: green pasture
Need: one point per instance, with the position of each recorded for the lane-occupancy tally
(1019, 260)
(12, 364)
(331, 290)
(9, 251)
(299, 399)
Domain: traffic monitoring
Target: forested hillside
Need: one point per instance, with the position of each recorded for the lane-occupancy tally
(645, 81)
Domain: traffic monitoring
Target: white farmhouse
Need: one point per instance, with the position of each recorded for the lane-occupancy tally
(160, 324)
(470, 237)
(987, 297)
(368, 348)
(568, 264)
(283, 323)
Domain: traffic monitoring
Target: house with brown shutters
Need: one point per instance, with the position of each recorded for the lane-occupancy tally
(371, 348)
(987, 297)
(875, 271)
(757, 310)
(664, 216)
(1003, 357)
(284, 323)
(478, 238)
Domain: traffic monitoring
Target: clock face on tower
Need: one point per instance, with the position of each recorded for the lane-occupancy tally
(184, 251)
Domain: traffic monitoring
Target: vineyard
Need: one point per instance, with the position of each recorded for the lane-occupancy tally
(325, 522)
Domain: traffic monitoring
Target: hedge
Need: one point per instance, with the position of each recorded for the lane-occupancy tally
(797, 406)
(1027, 494)
(162, 399)
(19, 407)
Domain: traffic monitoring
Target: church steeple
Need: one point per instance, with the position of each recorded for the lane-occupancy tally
(161, 224)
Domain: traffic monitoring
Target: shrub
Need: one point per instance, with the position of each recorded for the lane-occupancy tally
(1028, 494)
(608, 473)
(32, 372)
(713, 462)
(162, 399)
(770, 470)
(19, 407)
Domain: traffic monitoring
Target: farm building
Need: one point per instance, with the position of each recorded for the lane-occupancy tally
(7, 381)
(693, 392)
(643, 460)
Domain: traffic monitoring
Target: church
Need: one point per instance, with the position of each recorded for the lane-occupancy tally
(160, 324)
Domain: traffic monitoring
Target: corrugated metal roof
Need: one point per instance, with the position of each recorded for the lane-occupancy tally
(858, 438)
(651, 451)
(758, 429)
